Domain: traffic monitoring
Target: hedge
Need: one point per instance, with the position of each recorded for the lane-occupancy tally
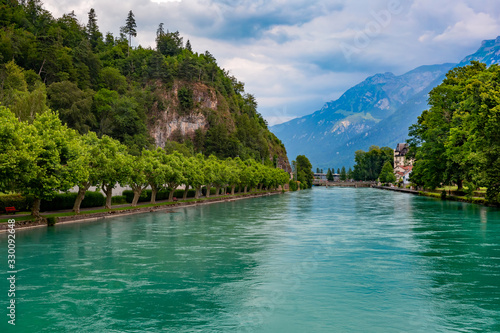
(118, 200)
(59, 202)
(161, 195)
(15, 200)
(67, 200)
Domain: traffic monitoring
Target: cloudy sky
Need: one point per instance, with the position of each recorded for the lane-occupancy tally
(295, 55)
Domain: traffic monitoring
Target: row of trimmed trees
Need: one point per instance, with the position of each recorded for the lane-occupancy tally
(45, 157)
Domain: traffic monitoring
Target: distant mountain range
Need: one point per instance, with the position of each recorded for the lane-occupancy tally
(378, 111)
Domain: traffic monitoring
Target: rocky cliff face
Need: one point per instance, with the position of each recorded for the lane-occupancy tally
(168, 122)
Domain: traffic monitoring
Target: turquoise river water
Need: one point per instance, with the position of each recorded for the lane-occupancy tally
(322, 260)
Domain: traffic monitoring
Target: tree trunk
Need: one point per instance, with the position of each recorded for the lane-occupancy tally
(260, 187)
(108, 190)
(460, 185)
(208, 191)
(217, 190)
(245, 190)
(185, 192)
(171, 193)
(197, 194)
(79, 198)
(232, 189)
(137, 193)
(154, 191)
(35, 210)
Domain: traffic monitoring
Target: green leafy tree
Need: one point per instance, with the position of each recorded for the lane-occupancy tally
(387, 173)
(136, 177)
(111, 166)
(177, 173)
(19, 149)
(73, 104)
(304, 171)
(234, 170)
(456, 140)
(369, 164)
(88, 157)
(155, 170)
(59, 163)
(192, 175)
(169, 44)
(350, 173)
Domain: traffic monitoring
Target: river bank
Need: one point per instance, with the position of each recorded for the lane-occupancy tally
(147, 208)
(474, 200)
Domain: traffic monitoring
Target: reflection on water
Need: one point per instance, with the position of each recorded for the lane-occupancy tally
(325, 260)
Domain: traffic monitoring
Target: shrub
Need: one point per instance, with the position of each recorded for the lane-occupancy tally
(67, 200)
(51, 221)
(204, 191)
(92, 199)
(161, 195)
(443, 194)
(129, 196)
(118, 200)
(15, 200)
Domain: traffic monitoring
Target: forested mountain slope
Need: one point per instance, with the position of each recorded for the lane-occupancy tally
(169, 96)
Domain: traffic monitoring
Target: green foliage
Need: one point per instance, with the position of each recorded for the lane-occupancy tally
(118, 200)
(161, 195)
(185, 96)
(293, 185)
(110, 92)
(62, 201)
(329, 175)
(112, 89)
(74, 105)
(15, 200)
(51, 221)
(458, 139)
(304, 171)
(169, 44)
(343, 174)
(369, 164)
(387, 173)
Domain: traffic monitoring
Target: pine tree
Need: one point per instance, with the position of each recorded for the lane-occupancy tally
(188, 46)
(343, 174)
(129, 29)
(329, 175)
(92, 30)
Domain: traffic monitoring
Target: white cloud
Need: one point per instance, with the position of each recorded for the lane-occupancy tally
(289, 53)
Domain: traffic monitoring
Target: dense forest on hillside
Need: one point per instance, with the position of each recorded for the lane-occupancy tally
(98, 82)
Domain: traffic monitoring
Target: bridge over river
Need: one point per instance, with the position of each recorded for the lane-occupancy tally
(322, 182)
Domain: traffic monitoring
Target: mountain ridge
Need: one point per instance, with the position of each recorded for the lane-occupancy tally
(377, 111)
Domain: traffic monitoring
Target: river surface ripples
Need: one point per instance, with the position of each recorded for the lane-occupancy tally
(321, 260)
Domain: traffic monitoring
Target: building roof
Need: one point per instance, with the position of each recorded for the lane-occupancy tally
(401, 149)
